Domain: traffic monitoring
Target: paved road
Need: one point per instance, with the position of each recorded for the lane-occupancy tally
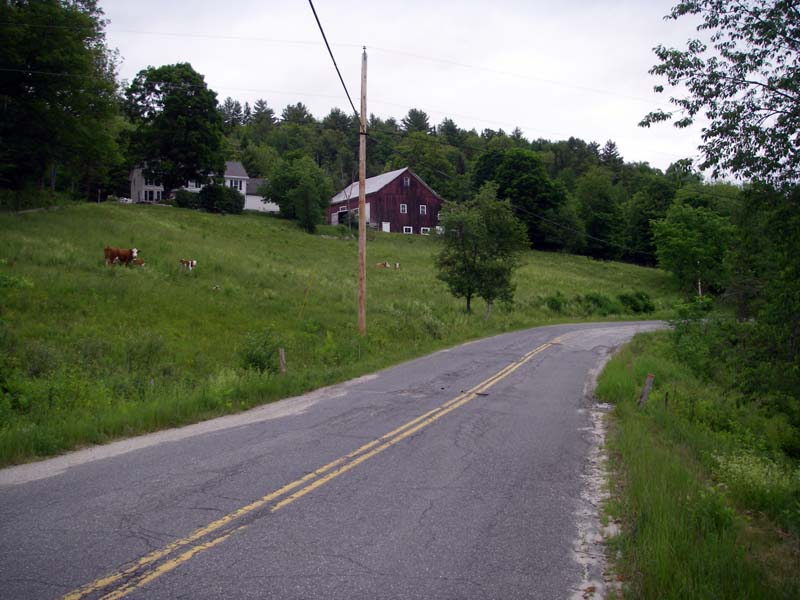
(453, 476)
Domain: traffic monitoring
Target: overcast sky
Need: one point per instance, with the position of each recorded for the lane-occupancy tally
(553, 68)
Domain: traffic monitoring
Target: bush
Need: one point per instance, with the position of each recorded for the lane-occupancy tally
(187, 199)
(600, 304)
(556, 302)
(221, 199)
(259, 351)
(637, 302)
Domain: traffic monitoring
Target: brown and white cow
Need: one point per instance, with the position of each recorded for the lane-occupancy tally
(120, 255)
(188, 264)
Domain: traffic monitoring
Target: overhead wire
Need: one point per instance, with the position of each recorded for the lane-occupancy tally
(327, 45)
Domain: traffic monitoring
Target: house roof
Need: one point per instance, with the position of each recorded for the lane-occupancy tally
(253, 184)
(233, 168)
(372, 185)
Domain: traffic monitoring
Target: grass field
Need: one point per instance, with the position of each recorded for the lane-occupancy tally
(89, 353)
(707, 507)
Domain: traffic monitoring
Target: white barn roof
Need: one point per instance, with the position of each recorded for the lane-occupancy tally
(373, 184)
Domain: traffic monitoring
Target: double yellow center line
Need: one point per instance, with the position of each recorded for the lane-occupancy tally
(158, 562)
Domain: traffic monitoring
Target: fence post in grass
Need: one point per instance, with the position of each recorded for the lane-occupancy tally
(282, 358)
(648, 384)
(666, 400)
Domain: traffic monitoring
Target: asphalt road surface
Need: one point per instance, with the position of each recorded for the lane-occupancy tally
(456, 475)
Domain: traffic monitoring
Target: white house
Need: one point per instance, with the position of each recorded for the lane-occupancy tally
(149, 190)
(255, 201)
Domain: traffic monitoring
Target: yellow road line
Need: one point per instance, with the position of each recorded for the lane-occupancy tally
(355, 458)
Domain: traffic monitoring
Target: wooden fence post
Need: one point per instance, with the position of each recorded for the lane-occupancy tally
(648, 384)
(282, 357)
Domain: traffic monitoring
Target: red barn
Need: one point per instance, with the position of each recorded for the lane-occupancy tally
(398, 201)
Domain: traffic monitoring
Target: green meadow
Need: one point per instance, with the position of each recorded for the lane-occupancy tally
(89, 353)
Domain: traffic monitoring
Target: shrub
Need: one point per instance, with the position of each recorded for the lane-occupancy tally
(637, 302)
(259, 351)
(600, 304)
(557, 302)
(221, 199)
(187, 199)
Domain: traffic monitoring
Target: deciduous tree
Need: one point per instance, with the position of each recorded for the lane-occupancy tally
(745, 81)
(482, 241)
(178, 134)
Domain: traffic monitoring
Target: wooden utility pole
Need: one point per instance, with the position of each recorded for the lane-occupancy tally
(362, 211)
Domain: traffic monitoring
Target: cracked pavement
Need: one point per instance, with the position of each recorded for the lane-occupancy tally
(481, 503)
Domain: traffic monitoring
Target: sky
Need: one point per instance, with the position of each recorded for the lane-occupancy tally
(553, 69)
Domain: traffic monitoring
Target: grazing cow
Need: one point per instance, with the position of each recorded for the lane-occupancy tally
(120, 255)
(383, 265)
(139, 262)
(396, 265)
(188, 264)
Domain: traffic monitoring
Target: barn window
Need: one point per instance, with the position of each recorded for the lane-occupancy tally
(406, 181)
(423, 209)
(407, 229)
(439, 216)
(343, 208)
(403, 209)
(425, 230)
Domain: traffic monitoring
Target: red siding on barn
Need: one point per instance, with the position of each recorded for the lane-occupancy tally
(385, 204)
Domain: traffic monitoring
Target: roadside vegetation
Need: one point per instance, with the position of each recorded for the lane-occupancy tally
(89, 353)
(705, 494)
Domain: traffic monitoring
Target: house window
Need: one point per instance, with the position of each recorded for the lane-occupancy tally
(149, 182)
(403, 209)
(406, 181)
(343, 208)
(149, 196)
(236, 184)
(407, 229)
(159, 196)
(423, 209)
(425, 230)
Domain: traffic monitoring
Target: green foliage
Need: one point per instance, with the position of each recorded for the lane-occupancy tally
(221, 199)
(187, 199)
(482, 241)
(637, 302)
(301, 190)
(416, 121)
(689, 465)
(259, 350)
(693, 243)
(599, 304)
(600, 208)
(56, 128)
(178, 134)
(744, 85)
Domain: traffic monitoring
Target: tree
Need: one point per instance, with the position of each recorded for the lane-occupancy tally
(301, 190)
(600, 209)
(49, 122)
(416, 121)
(747, 85)
(482, 242)
(537, 201)
(178, 134)
(611, 159)
(693, 243)
(297, 114)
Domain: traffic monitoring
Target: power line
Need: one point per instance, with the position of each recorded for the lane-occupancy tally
(332, 58)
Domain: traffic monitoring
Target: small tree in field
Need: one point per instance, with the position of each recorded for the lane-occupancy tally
(482, 242)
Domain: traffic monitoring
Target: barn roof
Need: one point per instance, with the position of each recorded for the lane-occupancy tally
(372, 185)
(233, 168)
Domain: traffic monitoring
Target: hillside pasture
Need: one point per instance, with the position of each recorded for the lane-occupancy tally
(89, 352)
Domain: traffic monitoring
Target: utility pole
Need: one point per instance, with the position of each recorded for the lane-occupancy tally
(362, 216)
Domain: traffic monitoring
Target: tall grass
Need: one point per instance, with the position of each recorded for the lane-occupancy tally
(89, 352)
(698, 519)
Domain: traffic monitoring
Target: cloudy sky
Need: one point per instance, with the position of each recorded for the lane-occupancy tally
(554, 69)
